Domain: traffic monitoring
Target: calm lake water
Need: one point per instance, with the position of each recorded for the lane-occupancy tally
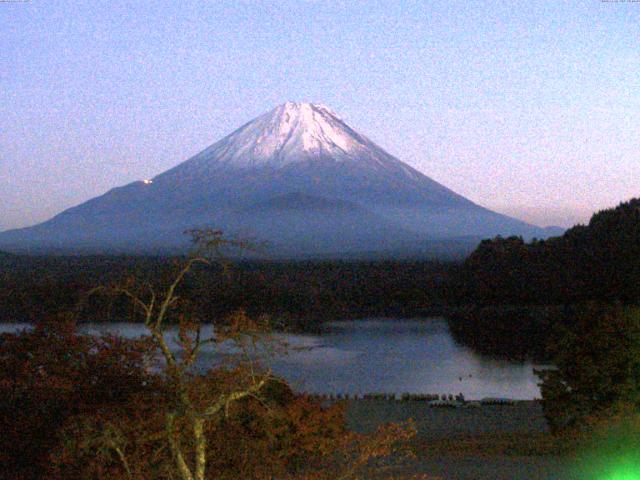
(392, 356)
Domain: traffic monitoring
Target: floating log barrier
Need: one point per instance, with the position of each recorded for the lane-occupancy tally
(497, 401)
(379, 396)
(432, 400)
(444, 404)
(420, 397)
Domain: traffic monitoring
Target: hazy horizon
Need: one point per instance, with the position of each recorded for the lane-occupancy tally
(526, 109)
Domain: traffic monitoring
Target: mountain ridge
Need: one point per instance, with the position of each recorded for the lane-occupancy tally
(297, 177)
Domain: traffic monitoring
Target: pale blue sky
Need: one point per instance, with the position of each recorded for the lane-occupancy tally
(530, 108)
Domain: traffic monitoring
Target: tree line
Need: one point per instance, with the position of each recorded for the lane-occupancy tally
(300, 294)
(597, 261)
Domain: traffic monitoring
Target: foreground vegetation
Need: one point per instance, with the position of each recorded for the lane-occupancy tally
(75, 406)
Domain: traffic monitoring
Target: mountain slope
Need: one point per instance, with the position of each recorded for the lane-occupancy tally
(297, 177)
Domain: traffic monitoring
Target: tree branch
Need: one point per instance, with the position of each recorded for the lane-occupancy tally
(225, 400)
(183, 468)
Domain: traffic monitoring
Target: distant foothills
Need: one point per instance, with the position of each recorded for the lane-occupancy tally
(297, 180)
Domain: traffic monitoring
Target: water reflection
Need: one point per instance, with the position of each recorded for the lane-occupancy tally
(395, 356)
(417, 356)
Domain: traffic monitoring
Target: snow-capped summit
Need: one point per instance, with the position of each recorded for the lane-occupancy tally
(302, 136)
(297, 177)
(290, 133)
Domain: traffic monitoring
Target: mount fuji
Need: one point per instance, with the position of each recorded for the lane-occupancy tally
(298, 178)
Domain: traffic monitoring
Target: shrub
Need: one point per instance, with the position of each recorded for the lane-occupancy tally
(596, 352)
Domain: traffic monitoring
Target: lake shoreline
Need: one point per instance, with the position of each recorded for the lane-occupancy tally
(395, 356)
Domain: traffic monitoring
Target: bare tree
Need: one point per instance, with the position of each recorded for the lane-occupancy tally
(157, 308)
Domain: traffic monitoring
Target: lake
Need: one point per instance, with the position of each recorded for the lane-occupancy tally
(385, 355)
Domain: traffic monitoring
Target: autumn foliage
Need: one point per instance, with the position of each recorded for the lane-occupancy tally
(50, 374)
(76, 406)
